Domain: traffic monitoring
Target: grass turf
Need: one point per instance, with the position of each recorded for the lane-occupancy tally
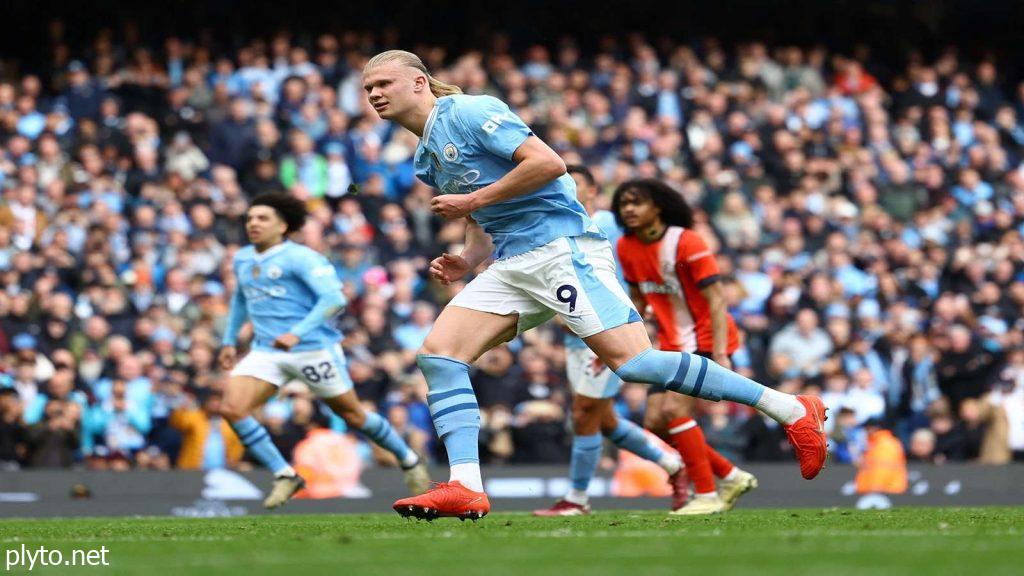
(804, 541)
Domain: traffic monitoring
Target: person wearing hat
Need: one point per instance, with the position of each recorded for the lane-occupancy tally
(26, 349)
(82, 96)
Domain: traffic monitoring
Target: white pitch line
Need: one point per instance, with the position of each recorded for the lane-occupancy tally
(559, 533)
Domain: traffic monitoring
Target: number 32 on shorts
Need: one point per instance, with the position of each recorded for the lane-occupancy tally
(566, 293)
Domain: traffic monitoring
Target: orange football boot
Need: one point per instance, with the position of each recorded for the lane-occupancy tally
(807, 436)
(445, 500)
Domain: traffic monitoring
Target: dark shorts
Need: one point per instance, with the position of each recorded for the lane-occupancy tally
(651, 390)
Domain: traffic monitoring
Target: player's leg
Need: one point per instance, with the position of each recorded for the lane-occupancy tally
(656, 419)
(586, 293)
(630, 437)
(459, 336)
(243, 395)
(593, 416)
(687, 438)
(628, 351)
(247, 390)
(586, 453)
(593, 386)
(379, 430)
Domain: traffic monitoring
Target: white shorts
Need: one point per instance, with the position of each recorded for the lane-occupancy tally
(585, 380)
(572, 277)
(324, 371)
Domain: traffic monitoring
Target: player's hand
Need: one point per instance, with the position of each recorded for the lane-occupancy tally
(722, 360)
(452, 206)
(226, 357)
(286, 341)
(447, 268)
(597, 366)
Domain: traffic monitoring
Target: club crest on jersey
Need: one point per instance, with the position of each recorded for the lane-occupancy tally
(274, 272)
(451, 153)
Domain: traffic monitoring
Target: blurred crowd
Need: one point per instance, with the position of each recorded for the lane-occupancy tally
(867, 214)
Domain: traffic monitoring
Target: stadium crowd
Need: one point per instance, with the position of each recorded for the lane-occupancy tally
(867, 214)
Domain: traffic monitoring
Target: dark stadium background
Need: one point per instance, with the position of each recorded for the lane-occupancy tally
(889, 27)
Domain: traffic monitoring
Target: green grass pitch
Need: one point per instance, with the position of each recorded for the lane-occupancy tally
(982, 541)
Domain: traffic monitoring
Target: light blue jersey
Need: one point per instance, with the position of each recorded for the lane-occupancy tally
(468, 143)
(605, 222)
(289, 288)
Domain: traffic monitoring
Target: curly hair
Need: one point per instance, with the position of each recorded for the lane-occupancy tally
(288, 208)
(674, 209)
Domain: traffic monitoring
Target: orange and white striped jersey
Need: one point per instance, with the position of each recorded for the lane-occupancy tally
(670, 273)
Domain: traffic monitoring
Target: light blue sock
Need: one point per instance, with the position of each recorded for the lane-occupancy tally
(256, 438)
(691, 375)
(586, 451)
(631, 437)
(380, 431)
(452, 406)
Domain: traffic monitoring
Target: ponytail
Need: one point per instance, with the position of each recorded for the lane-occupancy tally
(437, 88)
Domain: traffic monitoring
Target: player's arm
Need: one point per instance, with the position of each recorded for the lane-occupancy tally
(479, 245)
(536, 165)
(320, 277)
(488, 123)
(695, 258)
(237, 315)
(715, 295)
(447, 268)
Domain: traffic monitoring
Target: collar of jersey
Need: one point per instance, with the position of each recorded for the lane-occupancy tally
(261, 256)
(432, 118)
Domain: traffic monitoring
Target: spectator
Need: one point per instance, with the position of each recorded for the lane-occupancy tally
(13, 433)
(207, 439)
(121, 423)
(304, 173)
(883, 466)
(54, 441)
(800, 347)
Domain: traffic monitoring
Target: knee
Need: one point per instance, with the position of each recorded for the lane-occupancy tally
(586, 416)
(434, 347)
(638, 368)
(442, 371)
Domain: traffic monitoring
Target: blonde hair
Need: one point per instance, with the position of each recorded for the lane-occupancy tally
(437, 88)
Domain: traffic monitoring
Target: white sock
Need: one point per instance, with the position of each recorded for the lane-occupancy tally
(712, 494)
(577, 497)
(286, 471)
(732, 474)
(671, 462)
(410, 460)
(468, 474)
(783, 408)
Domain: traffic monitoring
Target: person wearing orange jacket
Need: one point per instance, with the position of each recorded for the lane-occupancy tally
(883, 466)
(199, 450)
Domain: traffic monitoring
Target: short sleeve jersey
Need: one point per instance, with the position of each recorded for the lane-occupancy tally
(281, 286)
(670, 273)
(468, 143)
